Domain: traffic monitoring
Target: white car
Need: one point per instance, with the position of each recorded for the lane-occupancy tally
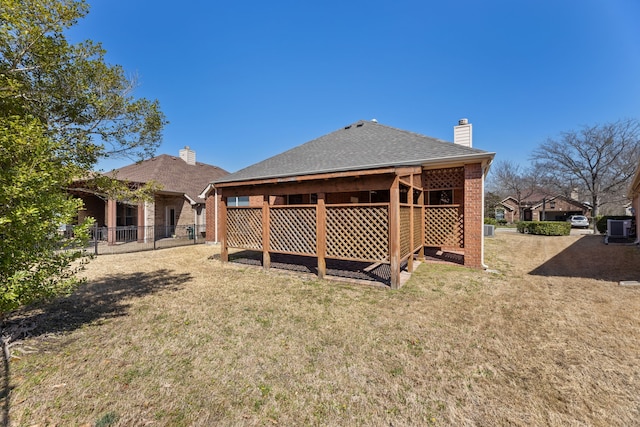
(579, 221)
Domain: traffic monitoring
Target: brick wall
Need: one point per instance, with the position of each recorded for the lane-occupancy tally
(473, 210)
(210, 215)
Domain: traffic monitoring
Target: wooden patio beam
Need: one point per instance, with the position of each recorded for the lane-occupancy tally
(404, 170)
(364, 183)
(312, 177)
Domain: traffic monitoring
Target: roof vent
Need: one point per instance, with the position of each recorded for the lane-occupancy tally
(374, 120)
(359, 125)
(348, 127)
(463, 122)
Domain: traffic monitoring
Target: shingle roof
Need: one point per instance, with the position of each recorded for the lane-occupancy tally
(362, 145)
(173, 173)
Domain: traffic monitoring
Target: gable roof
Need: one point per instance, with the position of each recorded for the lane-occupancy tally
(173, 173)
(359, 146)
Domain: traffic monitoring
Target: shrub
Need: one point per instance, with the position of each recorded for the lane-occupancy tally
(545, 228)
(491, 221)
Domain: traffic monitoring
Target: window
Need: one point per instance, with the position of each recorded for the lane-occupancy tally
(238, 201)
(552, 205)
(441, 197)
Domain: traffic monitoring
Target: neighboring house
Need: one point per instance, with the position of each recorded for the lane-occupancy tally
(175, 206)
(366, 192)
(542, 207)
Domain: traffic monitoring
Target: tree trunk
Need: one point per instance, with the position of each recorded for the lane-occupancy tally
(594, 212)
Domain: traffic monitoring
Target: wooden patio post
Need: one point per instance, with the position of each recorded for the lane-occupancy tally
(111, 221)
(411, 215)
(422, 222)
(321, 235)
(266, 257)
(394, 233)
(222, 229)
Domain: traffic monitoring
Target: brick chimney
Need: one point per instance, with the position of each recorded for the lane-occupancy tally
(188, 155)
(462, 134)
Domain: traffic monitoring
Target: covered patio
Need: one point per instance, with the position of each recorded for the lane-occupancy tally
(385, 215)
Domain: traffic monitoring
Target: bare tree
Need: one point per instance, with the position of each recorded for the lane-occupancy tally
(511, 179)
(600, 159)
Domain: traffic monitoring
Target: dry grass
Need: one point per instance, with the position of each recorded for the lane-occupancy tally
(172, 338)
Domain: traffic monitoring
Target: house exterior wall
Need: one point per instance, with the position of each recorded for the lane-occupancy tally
(473, 215)
(557, 209)
(510, 214)
(183, 212)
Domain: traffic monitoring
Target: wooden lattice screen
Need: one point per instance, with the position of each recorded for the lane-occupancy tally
(293, 230)
(358, 232)
(244, 228)
(417, 227)
(443, 178)
(444, 226)
(405, 231)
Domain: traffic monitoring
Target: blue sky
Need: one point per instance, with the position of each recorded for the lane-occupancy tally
(241, 81)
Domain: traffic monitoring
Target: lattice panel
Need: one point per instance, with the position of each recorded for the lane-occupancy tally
(443, 178)
(244, 228)
(417, 227)
(405, 230)
(444, 226)
(358, 232)
(293, 230)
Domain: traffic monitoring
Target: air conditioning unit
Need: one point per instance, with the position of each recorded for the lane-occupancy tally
(618, 227)
(489, 230)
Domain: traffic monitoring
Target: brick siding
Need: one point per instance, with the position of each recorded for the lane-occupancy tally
(473, 210)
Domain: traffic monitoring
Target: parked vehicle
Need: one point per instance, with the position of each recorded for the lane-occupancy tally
(579, 221)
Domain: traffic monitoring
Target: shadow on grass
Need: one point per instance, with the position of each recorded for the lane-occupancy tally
(590, 258)
(105, 298)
